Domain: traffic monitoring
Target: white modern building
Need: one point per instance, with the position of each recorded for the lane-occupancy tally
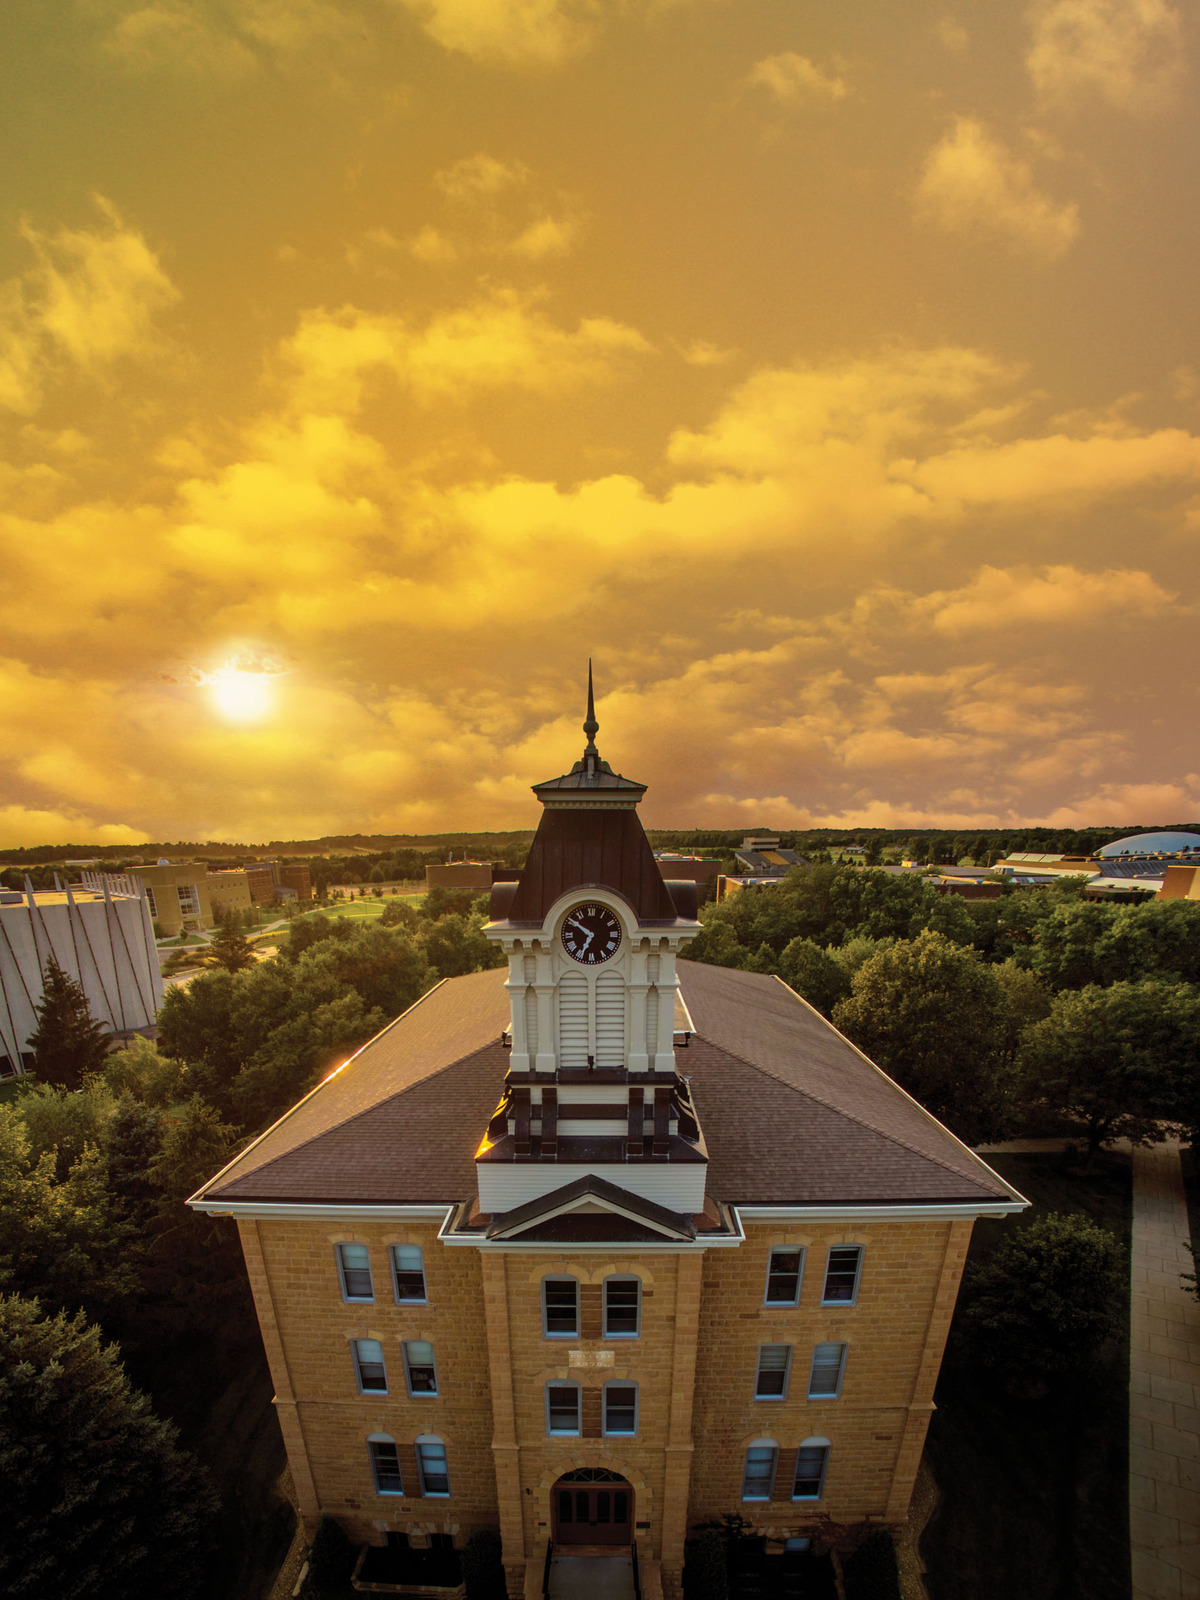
(103, 939)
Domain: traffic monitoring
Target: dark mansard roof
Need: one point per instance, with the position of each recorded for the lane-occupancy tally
(792, 1113)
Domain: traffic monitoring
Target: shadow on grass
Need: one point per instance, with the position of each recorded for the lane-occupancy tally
(1035, 1493)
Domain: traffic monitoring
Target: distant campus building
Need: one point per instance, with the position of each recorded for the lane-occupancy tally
(185, 897)
(101, 938)
(600, 1245)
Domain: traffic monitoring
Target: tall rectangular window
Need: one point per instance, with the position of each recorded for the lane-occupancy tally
(562, 1408)
(189, 900)
(811, 1462)
(431, 1463)
(408, 1273)
(841, 1275)
(758, 1479)
(620, 1408)
(150, 900)
(825, 1378)
(419, 1367)
(354, 1269)
(385, 1466)
(774, 1362)
(784, 1272)
(560, 1308)
(622, 1308)
(368, 1366)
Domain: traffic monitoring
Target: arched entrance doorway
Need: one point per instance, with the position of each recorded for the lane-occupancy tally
(592, 1506)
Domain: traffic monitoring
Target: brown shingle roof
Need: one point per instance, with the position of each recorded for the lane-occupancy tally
(792, 1113)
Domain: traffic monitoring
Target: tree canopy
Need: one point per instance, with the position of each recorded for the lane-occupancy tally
(68, 1042)
(1046, 1298)
(98, 1498)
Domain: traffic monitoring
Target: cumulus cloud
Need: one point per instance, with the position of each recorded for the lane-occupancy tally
(972, 184)
(226, 42)
(1001, 598)
(514, 33)
(181, 37)
(1128, 53)
(794, 80)
(499, 209)
(501, 341)
(95, 296)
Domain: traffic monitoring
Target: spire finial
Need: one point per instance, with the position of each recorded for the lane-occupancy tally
(591, 727)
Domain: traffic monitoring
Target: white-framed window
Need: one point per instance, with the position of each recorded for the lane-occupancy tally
(620, 1409)
(622, 1306)
(150, 900)
(408, 1274)
(420, 1370)
(842, 1272)
(785, 1273)
(825, 1375)
(758, 1475)
(385, 1464)
(431, 1464)
(812, 1463)
(560, 1308)
(189, 899)
(369, 1368)
(774, 1366)
(563, 1402)
(354, 1272)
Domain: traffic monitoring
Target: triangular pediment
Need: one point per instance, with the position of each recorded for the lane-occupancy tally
(592, 1209)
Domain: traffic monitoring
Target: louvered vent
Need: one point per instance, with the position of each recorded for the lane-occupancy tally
(531, 1022)
(651, 1021)
(530, 969)
(573, 1021)
(610, 1021)
(652, 969)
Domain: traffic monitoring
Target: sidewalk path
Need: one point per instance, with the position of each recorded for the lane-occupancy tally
(1164, 1386)
(1164, 1377)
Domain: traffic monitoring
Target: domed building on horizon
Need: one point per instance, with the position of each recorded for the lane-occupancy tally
(1163, 842)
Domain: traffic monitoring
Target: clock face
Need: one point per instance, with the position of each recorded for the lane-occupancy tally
(591, 934)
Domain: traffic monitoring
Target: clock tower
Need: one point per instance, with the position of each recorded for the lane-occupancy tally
(592, 934)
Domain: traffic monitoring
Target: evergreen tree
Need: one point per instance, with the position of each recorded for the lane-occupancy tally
(99, 1501)
(68, 1042)
(230, 948)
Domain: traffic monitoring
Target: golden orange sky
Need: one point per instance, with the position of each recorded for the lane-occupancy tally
(828, 372)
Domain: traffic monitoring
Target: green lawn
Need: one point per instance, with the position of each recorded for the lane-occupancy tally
(1035, 1493)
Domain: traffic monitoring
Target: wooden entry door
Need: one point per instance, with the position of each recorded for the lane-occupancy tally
(592, 1513)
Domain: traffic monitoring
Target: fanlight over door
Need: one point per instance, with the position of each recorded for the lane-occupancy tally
(592, 1506)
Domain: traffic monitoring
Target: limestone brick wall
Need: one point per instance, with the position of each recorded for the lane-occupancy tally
(307, 1332)
(703, 1317)
(648, 1361)
(895, 1333)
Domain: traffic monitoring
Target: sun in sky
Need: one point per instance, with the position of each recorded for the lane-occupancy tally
(241, 696)
(829, 373)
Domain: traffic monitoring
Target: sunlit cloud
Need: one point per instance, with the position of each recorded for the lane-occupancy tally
(973, 185)
(794, 80)
(1128, 53)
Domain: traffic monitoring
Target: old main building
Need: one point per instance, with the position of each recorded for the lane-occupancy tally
(602, 1245)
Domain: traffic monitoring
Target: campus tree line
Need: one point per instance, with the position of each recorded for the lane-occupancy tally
(1035, 1010)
